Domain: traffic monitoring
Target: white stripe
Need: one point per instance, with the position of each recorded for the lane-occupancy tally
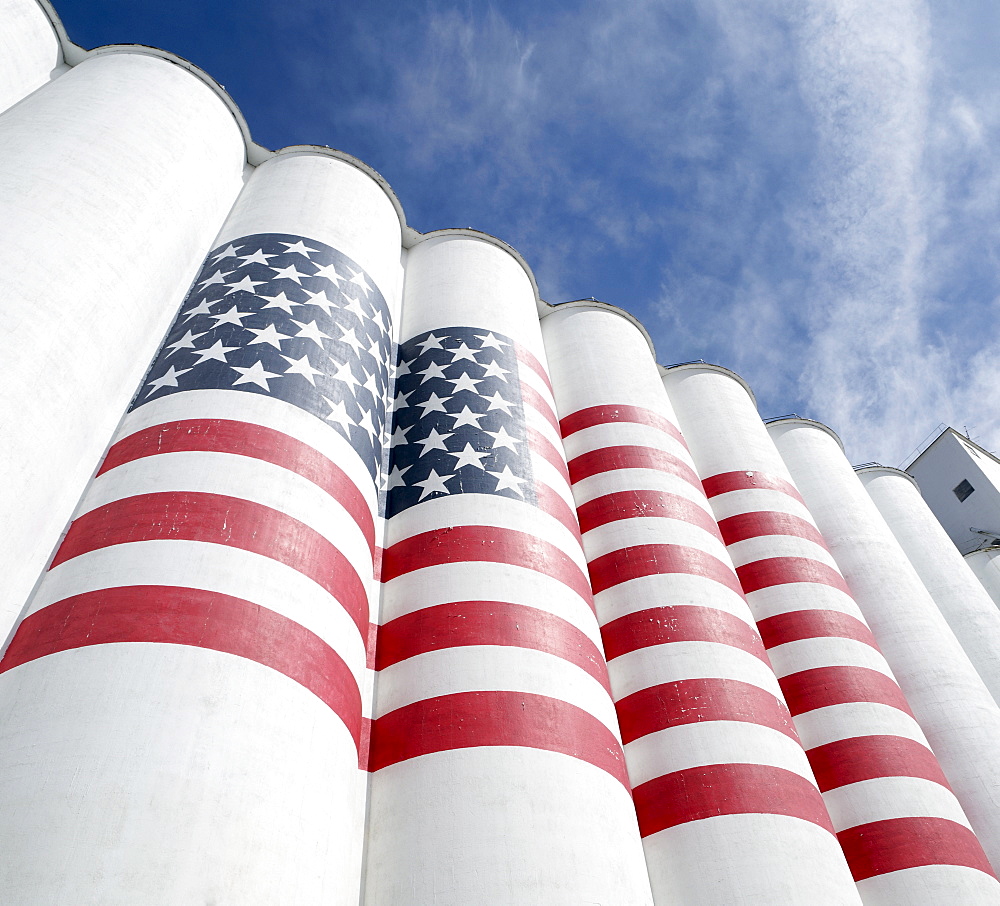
(758, 500)
(883, 798)
(625, 434)
(795, 596)
(487, 582)
(677, 661)
(932, 884)
(713, 742)
(241, 477)
(622, 533)
(639, 480)
(824, 725)
(487, 511)
(528, 375)
(765, 547)
(543, 426)
(484, 668)
(256, 409)
(669, 590)
(212, 567)
(807, 654)
(547, 474)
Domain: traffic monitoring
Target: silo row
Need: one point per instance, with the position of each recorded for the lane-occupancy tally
(904, 834)
(727, 805)
(497, 770)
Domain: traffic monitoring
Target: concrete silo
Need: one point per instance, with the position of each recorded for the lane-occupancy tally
(30, 50)
(905, 836)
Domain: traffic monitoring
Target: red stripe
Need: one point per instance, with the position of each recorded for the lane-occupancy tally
(483, 544)
(471, 719)
(553, 503)
(216, 519)
(696, 700)
(640, 560)
(638, 504)
(364, 750)
(858, 758)
(813, 624)
(749, 480)
(822, 687)
(191, 616)
(680, 623)
(527, 357)
(603, 415)
(544, 448)
(897, 843)
(607, 459)
(216, 435)
(773, 571)
(371, 643)
(531, 397)
(726, 789)
(760, 523)
(463, 623)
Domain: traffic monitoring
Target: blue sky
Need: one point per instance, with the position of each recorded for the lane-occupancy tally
(805, 191)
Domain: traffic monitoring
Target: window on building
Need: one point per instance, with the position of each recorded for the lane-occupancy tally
(963, 489)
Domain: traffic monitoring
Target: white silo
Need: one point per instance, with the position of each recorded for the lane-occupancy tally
(114, 178)
(985, 565)
(949, 700)
(727, 803)
(182, 704)
(902, 830)
(959, 595)
(30, 51)
(497, 771)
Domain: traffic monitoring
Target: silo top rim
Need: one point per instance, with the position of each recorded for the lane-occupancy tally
(807, 423)
(889, 470)
(982, 550)
(608, 308)
(708, 366)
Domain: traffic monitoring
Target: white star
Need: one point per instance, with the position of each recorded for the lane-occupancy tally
(321, 300)
(433, 441)
(402, 369)
(365, 423)
(231, 316)
(464, 382)
(468, 417)
(279, 301)
(354, 306)
(167, 379)
(498, 402)
(370, 385)
(329, 272)
(434, 370)
(502, 439)
(345, 374)
(299, 248)
(401, 399)
(432, 342)
(255, 374)
(470, 456)
(379, 320)
(312, 332)
(267, 334)
(351, 339)
(202, 308)
(375, 350)
(396, 479)
(217, 352)
(245, 285)
(257, 257)
(493, 369)
(399, 435)
(185, 342)
(507, 480)
(358, 279)
(217, 277)
(289, 273)
(225, 253)
(490, 340)
(433, 403)
(431, 484)
(338, 414)
(301, 366)
(463, 352)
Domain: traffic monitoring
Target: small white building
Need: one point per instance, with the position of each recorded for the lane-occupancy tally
(961, 483)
